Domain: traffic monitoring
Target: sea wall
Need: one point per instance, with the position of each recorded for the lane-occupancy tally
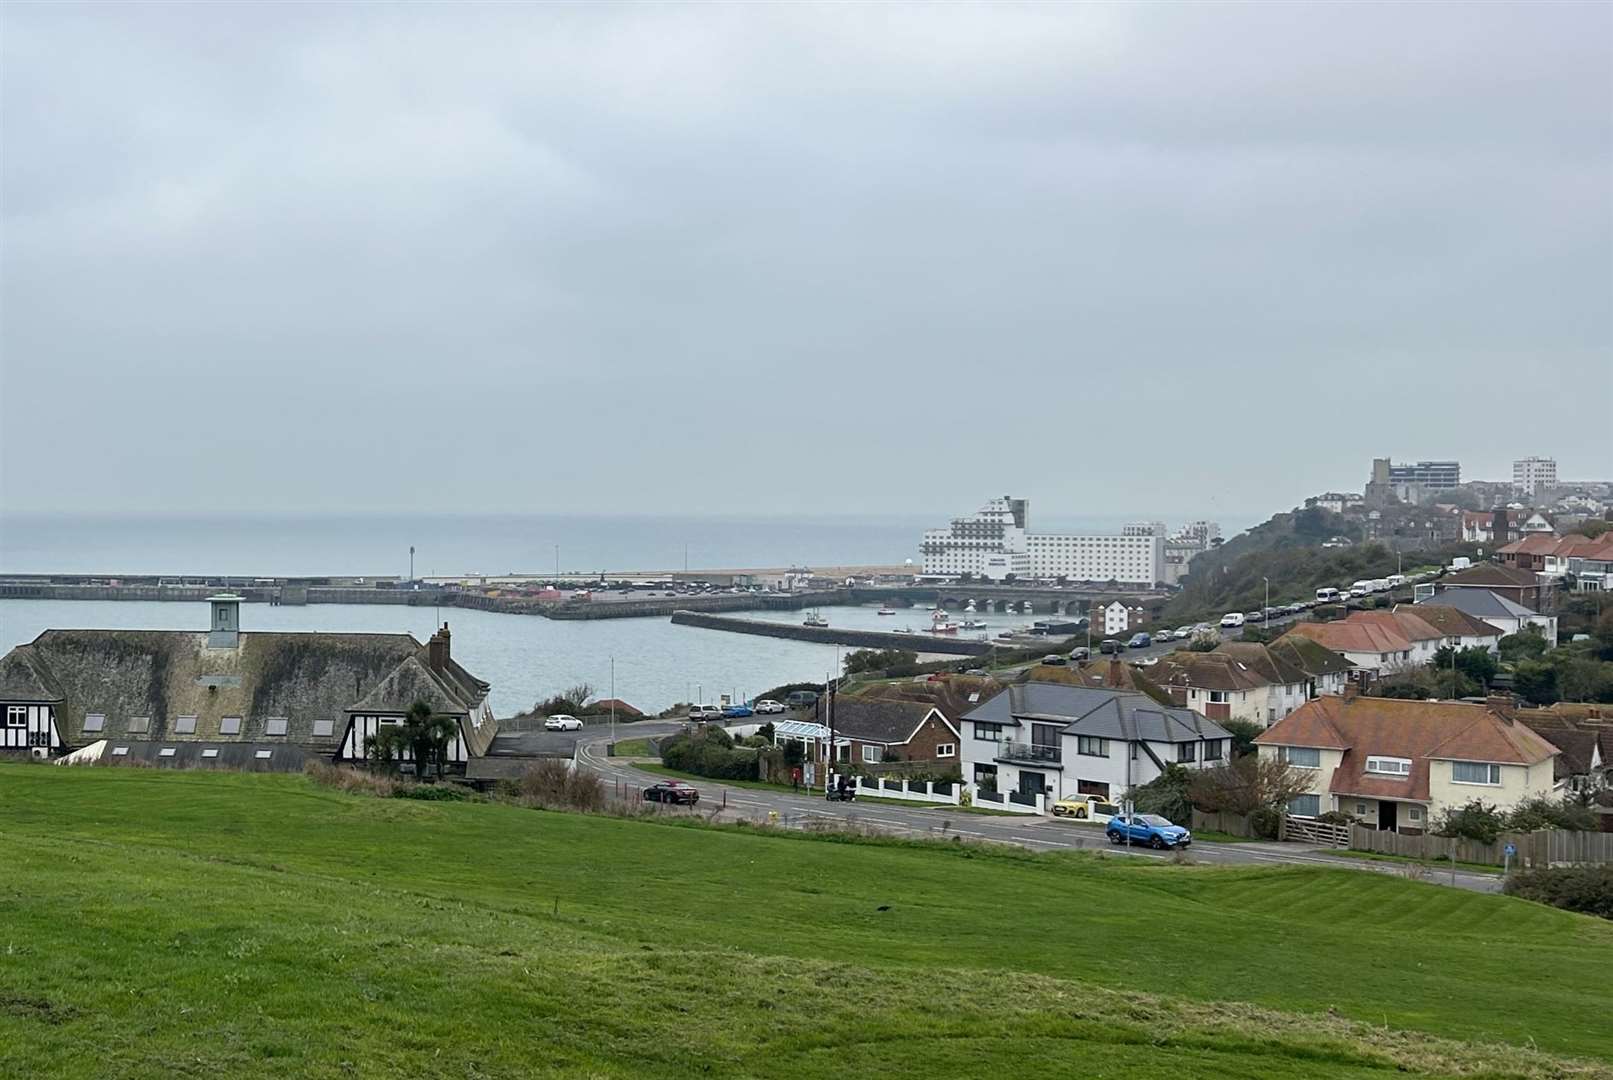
(829, 635)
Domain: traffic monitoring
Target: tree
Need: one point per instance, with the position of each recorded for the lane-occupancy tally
(427, 736)
(1475, 663)
(1243, 734)
(881, 660)
(1527, 644)
(1165, 795)
(385, 748)
(1541, 812)
(1535, 681)
(1247, 784)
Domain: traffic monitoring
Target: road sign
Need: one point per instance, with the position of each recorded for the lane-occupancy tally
(1510, 850)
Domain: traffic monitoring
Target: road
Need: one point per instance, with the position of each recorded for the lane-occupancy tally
(1033, 832)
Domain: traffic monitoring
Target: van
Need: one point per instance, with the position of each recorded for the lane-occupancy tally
(1361, 588)
(801, 699)
(1380, 584)
(1232, 618)
(1326, 596)
(1396, 580)
(1461, 562)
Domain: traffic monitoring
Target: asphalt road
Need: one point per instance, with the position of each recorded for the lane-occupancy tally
(1036, 833)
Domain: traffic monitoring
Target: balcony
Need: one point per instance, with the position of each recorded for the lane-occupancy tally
(1009, 750)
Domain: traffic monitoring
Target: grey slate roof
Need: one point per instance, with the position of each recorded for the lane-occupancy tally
(235, 756)
(1108, 714)
(876, 720)
(22, 679)
(1479, 603)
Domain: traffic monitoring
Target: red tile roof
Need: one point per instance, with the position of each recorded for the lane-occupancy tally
(1355, 634)
(1421, 731)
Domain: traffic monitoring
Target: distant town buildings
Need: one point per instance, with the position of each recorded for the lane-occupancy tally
(996, 541)
(1531, 474)
(1410, 483)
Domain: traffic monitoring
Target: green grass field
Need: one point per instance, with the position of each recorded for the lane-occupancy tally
(633, 748)
(159, 924)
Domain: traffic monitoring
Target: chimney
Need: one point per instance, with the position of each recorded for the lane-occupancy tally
(1503, 705)
(1116, 675)
(437, 652)
(225, 629)
(1502, 527)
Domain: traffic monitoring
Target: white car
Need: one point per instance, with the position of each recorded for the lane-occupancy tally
(768, 706)
(561, 722)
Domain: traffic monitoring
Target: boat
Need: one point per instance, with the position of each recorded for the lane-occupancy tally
(973, 624)
(887, 611)
(815, 619)
(904, 630)
(941, 622)
(969, 607)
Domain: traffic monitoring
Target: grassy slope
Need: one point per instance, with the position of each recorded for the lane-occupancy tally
(158, 924)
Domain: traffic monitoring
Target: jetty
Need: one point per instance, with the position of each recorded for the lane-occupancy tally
(830, 635)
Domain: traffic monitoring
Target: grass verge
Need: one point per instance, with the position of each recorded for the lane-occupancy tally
(1434, 865)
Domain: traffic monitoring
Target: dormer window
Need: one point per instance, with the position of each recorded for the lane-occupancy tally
(1389, 766)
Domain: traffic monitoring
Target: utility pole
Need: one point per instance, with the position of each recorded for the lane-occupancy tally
(613, 699)
(557, 563)
(1265, 612)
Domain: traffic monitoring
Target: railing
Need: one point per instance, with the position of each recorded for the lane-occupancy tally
(1018, 751)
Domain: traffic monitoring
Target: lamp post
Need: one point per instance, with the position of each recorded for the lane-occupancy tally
(411, 564)
(613, 699)
(1265, 612)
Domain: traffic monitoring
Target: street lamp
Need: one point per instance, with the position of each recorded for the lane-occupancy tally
(1265, 612)
(613, 699)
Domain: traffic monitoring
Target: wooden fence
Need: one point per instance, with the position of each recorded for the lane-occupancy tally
(1221, 821)
(1311, 831)
(1533, 849)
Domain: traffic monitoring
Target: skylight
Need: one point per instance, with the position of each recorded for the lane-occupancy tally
(210, 752)
(185, 725)
(229, 725)
(120, 751)
(275, 725)
(94, 721)
(139, 725)
(263, 755)
(167, 751)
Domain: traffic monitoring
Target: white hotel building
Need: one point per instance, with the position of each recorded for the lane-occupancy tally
(996, 541)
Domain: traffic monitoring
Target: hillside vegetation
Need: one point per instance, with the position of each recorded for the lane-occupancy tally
(160, 924)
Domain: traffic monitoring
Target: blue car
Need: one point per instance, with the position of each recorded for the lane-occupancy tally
(1150, 829)
(731, 712)
(1140, 641)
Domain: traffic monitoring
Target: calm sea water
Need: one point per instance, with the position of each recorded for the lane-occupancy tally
(281, 545)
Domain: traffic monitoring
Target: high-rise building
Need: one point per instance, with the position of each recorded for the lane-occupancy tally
(1531, 474)
(996, 541)
(1428, 475)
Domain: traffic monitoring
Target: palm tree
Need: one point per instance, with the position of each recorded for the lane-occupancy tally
(428, 736)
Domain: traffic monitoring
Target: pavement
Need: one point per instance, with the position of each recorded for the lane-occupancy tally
(1033, 832)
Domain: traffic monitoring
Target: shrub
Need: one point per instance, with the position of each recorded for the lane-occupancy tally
(1246, 784)
(1475, 821)
(1526, 644)
(1265, 823)
(343, 778)
(433, 793)
(551, 784)
(1587, 889)
(1541, 812)
(1243, 734)
(1165, 795)
(1336, 817)
(709, 753)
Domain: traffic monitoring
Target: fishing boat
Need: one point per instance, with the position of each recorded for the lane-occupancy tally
(941, 622)
(887, 611)
(815, 619)
(973, 624)
(904, 630)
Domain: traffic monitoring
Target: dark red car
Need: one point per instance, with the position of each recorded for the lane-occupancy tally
(672, 791)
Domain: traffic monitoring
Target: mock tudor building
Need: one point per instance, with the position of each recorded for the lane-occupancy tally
(1246, 680)
(1397, 764)
(227, 697)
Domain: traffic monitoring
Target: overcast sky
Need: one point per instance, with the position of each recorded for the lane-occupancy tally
(1153, 258)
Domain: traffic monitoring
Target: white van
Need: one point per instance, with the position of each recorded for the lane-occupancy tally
(1461, 562)
(1380, 584)
(1232, 618)
(1361, 588)
(1396, 580)
(1326, 596)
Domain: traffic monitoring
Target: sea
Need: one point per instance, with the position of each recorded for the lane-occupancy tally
(526, 658)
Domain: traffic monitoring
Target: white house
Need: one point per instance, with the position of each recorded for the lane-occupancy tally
(1384, 642)
(1062, 741)
(1243, 680)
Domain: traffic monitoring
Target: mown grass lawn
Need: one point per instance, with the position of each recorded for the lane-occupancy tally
(157, 924)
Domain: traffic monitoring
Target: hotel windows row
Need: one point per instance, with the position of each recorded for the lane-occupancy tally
(274, 726)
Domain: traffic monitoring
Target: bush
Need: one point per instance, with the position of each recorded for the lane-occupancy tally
(1265, 823)
(350, 780)
(880, 660)
(1165, 795)
(1586, 889)
(709, 753)
(1541, 812)
(1526, 644)
(433, 793)
(1475, 821)
(1244, 733)
(551, 784)
(1336, 817)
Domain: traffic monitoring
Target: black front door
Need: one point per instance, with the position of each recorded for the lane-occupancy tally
(1030, 783)
(1387, 815)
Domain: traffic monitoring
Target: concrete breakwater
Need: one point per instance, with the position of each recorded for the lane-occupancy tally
(829, 635)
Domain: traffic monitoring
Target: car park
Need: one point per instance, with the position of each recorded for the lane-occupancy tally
(1150, 829)
(769, 707)
(672, 791)
(559, 722)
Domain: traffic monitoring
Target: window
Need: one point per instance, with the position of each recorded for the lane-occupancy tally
(120, 751)
(139, 725)
(1305, 805)
(263, 755)
(230, 725)
(1186, 751)
(16, 716)
(324, 729)
(1218, 697)
(210, 752)
(1302, 757)
(988, 732)
(873, 753)
(1212, 749)
(946, 749)
(1475, 772)
(94, 721)
(1415, 813)
(1092, 746)
(1360, 809)
(185, 725)
(276, 725)
(1092, 787)
(167, 751)
(1389, 766)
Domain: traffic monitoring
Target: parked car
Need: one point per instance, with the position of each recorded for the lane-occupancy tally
(1139, 641)
(1185, 632)
(736, 712)
(1089, 808)
(1109, 646)
(1053, 660)
(769, 707)
(672, 791)
(704, 712)
(801, 699)
(1081, 652)
(1232, 618)
(560, 722)
(1254, 616)
(1150, 829)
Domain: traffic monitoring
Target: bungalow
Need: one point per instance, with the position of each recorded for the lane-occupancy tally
(1490, 608)
(1245, 680)
(217, 694)
(1062, 741)
(1519, 586)
(1397, 764)
(879, 733)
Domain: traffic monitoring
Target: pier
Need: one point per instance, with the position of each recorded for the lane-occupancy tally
(829, 635)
